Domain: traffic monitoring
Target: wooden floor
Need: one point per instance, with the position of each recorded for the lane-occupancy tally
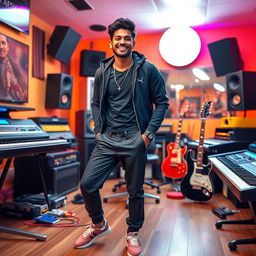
(171, 228)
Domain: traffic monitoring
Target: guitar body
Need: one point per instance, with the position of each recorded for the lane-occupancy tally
(175, 165)
(196, 185)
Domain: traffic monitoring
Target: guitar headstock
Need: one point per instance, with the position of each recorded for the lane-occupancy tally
(205, 111)
(184, 108)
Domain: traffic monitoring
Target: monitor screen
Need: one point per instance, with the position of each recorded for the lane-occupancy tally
(16, 13)
(13, 70)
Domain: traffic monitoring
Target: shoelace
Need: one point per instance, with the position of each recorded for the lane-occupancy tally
(88, 231)
(134, 240)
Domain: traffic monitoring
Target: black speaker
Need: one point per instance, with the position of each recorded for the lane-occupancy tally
(60, 180)
(59, 91)
(84, 124)
(62, 43)
(90, 62)
(226, 56)
(85, 147)
(241, 90)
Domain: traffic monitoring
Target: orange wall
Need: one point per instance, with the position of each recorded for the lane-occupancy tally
(148, 45)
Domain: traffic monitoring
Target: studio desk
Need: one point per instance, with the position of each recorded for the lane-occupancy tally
(20, 137)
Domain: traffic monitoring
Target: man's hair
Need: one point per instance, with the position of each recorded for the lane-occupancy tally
(121, 23)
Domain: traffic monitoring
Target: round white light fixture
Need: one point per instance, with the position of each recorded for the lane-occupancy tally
(219, 87)
(200, 74)
(179, 46)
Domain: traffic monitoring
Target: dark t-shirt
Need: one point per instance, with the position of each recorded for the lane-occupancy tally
(120, 113)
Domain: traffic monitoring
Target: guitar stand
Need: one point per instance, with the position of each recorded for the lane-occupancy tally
(15, 231)
(175, 194)
(233, 244)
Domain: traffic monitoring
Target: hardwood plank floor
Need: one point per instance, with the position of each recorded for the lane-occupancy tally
(172, 228)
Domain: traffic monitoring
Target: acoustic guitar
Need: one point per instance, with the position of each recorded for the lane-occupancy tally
(175, 165)
(197, 185)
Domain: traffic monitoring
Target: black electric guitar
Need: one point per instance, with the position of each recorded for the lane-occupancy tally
(197, 185)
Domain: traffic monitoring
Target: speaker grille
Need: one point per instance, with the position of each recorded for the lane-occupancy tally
(241, 91)
(59, 91)
(90, 62)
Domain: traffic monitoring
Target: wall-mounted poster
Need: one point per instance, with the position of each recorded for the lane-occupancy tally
(13, 70)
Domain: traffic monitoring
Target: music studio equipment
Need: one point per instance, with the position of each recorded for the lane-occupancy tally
(56, 128)
(59, 91)
(226, 57)
(84, 124)
(236, 134)
(62, 43)
(174, 165)
(241, 90)
(24, 137)
(197, 184)
(61, 169)
(61, 172)
(90, 62)
(238, 122)
(237, 170)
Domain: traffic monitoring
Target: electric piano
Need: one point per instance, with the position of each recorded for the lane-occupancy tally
(20, 137)
(237, 170)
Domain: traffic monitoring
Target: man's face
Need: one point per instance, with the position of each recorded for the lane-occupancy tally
(4, 47)
(122, 43)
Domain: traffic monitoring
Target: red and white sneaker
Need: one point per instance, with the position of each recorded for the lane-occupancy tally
(91, 234)
(133, 244)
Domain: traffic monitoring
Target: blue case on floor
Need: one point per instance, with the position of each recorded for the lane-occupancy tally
(46, 219)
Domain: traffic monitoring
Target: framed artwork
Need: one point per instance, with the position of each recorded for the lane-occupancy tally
(13, 70)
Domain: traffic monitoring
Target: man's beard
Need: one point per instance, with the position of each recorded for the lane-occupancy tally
(124, 55)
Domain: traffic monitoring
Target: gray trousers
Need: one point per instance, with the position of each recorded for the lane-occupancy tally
(111, 148)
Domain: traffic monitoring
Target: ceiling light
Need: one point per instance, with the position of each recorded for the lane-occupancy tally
(219, 87)
(201, 74)
(179, 46)
(98, 27)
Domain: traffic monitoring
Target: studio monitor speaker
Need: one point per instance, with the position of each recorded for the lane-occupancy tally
(62, 43)
(59, 91)
(84, 124)
(225, 56)
(90, 62)
(241, 90)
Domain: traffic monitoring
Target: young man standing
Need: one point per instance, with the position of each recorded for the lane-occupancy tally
(128, 107)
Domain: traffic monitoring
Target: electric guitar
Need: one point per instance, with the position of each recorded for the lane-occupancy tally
(197, 185)
(175, 165)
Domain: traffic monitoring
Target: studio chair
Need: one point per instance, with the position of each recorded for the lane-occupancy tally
(152, 158)
(233, 243)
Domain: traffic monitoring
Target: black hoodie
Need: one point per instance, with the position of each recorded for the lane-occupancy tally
(150, 101)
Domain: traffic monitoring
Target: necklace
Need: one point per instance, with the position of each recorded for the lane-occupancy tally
(119, 86)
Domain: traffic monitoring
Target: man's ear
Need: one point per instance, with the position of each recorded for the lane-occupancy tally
(110, 44)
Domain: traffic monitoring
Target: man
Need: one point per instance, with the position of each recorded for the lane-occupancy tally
(11, 82)
(126, 88)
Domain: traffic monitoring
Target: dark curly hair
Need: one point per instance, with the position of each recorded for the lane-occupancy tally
(121, 23)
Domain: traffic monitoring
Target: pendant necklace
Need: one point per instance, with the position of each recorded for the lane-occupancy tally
(119, 86)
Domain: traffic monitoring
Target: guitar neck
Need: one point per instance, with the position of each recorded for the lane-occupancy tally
(178, 134)
(200, 151)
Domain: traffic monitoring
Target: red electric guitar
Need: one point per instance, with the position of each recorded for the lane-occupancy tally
(175, 166)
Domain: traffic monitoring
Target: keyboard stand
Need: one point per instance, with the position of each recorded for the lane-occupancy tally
(17, 231)
(233, 244)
